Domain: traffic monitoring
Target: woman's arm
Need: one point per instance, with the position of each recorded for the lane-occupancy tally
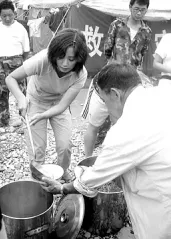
(65, 102)
(158, 64)
(12, 81)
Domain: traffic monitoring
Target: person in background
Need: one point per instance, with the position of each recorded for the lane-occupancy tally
(127, 42)
(14, 48)
(137, 148)
(57, 75)
(162, 59)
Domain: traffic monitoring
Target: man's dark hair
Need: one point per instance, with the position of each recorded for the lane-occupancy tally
(6, 5)
(64, 39)
(140, 2)
(119, 76)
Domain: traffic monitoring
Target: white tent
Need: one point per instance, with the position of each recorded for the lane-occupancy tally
(98, 14)
(158, 10)
(14, 1)
(46, 3)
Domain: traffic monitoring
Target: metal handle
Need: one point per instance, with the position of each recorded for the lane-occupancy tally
(36, 231)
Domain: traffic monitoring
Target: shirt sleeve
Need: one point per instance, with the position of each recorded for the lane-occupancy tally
(125, 147)
(161, 49)
(115, 159)
(80, 80)
(110, 40)
(147, 42)
(25, 41)
(35, 64)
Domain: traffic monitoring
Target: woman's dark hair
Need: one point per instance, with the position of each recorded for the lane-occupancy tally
(140, 2)
(119, 76)
(65, 38)
(6, 5)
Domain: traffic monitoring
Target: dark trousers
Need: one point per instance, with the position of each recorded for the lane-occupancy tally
(7, 65)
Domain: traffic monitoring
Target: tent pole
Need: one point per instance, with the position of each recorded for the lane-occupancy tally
(59, 24)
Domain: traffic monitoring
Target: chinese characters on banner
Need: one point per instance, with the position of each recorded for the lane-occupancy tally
(90, 22)
(93, 39)
(95, 24)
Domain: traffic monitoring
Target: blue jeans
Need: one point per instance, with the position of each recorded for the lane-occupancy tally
(62, 129)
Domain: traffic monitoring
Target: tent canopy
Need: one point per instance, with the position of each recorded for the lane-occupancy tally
(46, 3)
(158, 10)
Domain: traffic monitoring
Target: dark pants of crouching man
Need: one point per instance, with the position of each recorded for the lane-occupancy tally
(7, 65)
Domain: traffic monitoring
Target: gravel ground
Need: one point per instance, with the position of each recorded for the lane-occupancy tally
(15, 164)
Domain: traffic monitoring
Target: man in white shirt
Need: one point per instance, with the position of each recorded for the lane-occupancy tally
(162, 59)
(14, 48)
(137, 148)
(127, 41)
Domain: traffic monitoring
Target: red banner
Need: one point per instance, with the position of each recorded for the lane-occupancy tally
(95, 25)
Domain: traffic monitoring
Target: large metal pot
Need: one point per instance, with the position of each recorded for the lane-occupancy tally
(27, 210)
(105, 213)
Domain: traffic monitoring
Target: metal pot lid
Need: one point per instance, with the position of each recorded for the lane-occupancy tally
(69, 216)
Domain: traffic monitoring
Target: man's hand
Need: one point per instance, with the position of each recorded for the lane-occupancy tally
(51, 186)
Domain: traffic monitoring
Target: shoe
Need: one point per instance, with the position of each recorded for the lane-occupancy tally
(2, 167)
(20, 131)
(37, 164)
(4, 124)
(17, 123)
(5, 120)
(66, 177)
(34, 170)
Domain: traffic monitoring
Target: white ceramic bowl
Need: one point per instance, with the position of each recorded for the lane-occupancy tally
(51, 170)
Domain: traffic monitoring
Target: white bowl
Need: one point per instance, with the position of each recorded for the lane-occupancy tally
(51, 170)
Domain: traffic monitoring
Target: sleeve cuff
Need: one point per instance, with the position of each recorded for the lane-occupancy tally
(80, 186)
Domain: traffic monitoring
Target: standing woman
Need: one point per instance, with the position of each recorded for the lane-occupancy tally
(57, 76)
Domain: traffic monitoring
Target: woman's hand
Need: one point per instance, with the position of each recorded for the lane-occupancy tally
(51, 186)
(36, 118)
(22, 106)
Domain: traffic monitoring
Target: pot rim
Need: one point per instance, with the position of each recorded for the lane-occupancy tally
(27, 218)
(120, 192)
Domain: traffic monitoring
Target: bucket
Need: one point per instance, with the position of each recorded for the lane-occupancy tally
(106, 213)
(27, 210)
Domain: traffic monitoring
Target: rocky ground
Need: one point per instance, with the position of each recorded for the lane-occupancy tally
(14, 158)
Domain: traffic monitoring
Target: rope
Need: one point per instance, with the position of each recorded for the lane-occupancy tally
(59, 24)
